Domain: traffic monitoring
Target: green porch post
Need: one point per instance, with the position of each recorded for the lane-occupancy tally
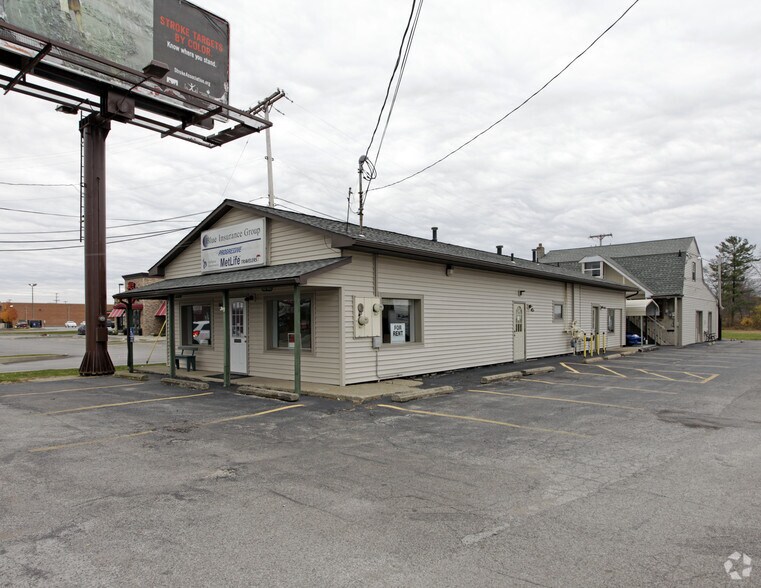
(225, 317)
(130, 339)
(297, 337)
(170, 333)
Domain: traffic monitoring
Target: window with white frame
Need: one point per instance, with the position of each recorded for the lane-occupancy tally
(280, 321)
(611, 320)
(593, 268)
(402, 321)
(557, 311)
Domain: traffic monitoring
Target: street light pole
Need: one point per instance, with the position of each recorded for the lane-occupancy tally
(32, 286)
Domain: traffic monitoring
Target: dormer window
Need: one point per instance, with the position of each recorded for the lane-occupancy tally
(593, 268)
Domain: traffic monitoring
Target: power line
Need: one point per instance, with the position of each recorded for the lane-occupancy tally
(393, 74)
(521, 105)
(396, 90)
(117, 239)
(39, 185)
(128, 220)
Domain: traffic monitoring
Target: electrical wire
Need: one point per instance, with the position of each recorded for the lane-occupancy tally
(232, 173)
(117, 239)
(128, 220)
(521, 105)
(40, 185)
(393, 75)
(398, 82)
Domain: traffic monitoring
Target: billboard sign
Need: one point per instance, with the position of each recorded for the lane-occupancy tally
(192, 42)
(236, 247)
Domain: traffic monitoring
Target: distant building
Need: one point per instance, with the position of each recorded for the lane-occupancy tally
(51, 314)
(676, 305)
(148, 316)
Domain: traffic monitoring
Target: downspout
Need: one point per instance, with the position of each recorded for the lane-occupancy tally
(297, 337)
(225, 314)
(130, 338)
(170, 334)
(376, 295)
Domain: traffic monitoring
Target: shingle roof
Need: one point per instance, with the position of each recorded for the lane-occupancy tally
(623, 250)
(288, 273)
(389, 241)
(657, 265)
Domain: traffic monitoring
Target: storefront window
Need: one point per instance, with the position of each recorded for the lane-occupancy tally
(401, 321)
(280, 320)
(196, 324)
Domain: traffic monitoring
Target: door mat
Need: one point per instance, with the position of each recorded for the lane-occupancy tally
(232, 376)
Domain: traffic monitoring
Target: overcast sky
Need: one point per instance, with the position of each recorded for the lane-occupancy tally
(654, 133)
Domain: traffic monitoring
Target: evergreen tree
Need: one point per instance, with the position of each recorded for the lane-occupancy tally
(736, 257)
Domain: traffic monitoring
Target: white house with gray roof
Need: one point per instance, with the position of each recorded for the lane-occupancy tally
(271, 293)
(667, 272)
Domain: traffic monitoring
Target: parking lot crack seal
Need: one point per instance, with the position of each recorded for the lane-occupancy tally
(485, 534)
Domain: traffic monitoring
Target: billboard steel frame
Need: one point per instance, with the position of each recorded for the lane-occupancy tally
(110, 92)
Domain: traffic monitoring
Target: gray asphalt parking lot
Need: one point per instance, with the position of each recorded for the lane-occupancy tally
(637, 471)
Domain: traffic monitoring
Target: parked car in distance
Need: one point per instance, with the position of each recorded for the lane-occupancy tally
(201, 333)
(22, 325)
(82, 329)
(633, 339)
(70, 324)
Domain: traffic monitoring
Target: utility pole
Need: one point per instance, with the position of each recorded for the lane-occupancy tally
(33, 285)
(600, 237)
(270, 181)
(264, 107)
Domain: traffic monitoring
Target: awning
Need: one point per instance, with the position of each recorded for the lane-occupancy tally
(270, 276)
(116, 313)
(135, 305)
(162, 309)
(646, 307)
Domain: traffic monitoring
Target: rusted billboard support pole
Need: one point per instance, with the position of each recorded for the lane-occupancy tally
(96, 362)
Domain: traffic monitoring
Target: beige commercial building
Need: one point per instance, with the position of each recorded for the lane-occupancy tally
(374, 304)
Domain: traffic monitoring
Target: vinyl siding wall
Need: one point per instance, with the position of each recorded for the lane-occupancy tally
(697, 297)
(467, 317)
(286, 243)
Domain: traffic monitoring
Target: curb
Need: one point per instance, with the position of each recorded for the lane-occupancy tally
(500, 377)
(538, 370)
(419, 394)
(267, 393)
(132, 376)
(185, 383)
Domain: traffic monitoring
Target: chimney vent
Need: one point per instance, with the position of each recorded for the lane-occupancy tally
(539, 252)
(499, 249)
(435, 231)
(512, 257)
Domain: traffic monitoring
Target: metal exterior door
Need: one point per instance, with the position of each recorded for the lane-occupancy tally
(519, 331)
(238, 337)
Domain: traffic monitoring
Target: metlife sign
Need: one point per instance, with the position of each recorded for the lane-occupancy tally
(236, 247)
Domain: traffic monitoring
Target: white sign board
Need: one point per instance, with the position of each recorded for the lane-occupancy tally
(398, 332)
(236, 247)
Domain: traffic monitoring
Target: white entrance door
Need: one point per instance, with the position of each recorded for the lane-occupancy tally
(519, 331)
(238, 337)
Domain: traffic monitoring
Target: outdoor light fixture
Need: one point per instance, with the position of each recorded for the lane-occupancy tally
(521, 292)
(450, 270)
(531, 307)
(67, 109)
(221, 307)
(156, 69)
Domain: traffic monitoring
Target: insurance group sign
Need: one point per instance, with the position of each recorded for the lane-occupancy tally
(236, 247)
